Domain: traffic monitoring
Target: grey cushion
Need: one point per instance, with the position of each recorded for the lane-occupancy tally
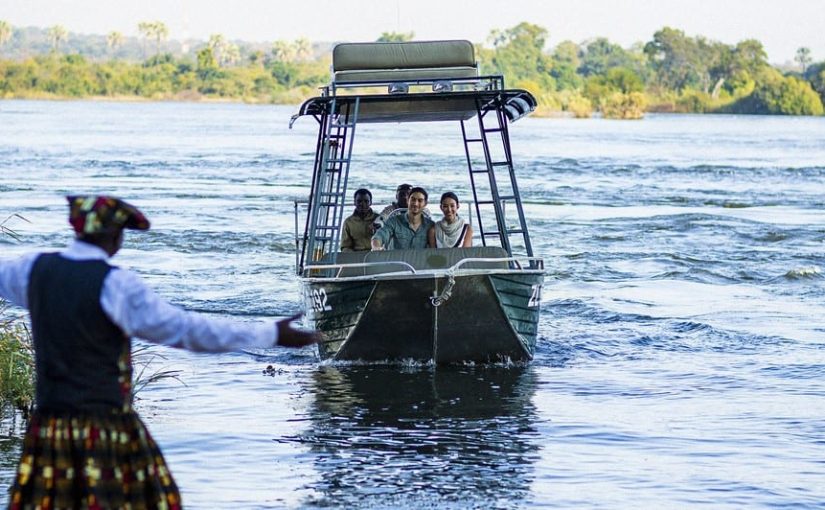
(421, 73)
(402, 55)
(403, 61)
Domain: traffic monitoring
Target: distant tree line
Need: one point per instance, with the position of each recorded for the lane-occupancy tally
(672, 72)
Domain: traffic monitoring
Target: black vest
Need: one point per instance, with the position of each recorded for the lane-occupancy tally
(82, 359)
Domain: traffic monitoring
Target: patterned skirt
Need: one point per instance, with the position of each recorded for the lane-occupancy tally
(94, 462)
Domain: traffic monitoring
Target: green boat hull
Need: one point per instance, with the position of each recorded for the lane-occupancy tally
(487, 317)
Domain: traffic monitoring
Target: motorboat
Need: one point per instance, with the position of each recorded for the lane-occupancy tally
(449, 305)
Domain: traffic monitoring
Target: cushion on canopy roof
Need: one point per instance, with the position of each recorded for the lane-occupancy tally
(421, 60)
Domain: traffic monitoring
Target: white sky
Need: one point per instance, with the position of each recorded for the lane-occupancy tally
(781, 25)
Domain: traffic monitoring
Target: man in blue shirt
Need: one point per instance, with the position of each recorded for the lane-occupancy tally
(406, 231)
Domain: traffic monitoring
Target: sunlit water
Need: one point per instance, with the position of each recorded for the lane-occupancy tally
(681, 359)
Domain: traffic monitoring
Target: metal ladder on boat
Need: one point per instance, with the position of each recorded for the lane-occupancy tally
(332, 163)
(496, 190)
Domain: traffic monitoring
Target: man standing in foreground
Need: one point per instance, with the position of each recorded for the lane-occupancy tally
(85, 447)
(406, 231)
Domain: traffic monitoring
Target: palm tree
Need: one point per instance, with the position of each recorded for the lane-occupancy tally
(114, 40)
(408, 36)
(303, 49)
(230, 53)
(145, 29)
(5, 32)
(160, 31)
(283, 51)
(56, 35)
(803, 56)
(217, 44)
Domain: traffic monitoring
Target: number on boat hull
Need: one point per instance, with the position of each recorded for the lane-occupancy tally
(535, 296)
(318, 300)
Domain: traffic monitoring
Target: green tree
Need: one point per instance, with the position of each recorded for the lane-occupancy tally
(395, 37)
(717, 65)
(114, 40)
(5, 32)
(566, 61)
(56, 35)
(230, 54)
(568, 52)
(217, 45)
(815, 74)
(613, 91)
(750, 56)
(775, 94)
(519, 54)
(257, 58)
(803, 56)
(624, 80)
(601, 55)
(159, 32)
(303, 49)
(145, 29)
(206, 60)
(675, 58)
(284, 51)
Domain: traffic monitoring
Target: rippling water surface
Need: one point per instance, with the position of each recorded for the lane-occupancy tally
(681, 359)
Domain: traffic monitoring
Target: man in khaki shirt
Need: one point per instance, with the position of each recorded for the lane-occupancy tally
(361, 225)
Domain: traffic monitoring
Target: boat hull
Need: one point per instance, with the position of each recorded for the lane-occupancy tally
(487, 317)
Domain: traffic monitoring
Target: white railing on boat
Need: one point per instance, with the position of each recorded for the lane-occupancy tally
(341, 267)
(532, 264)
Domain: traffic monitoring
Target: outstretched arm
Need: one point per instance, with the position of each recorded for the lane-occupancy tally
(141, 313)
(291, 337)
(14, 279)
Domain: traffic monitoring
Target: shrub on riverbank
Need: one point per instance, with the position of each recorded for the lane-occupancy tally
(781, 95)
(163, 78)
(624, 106)
(16, 354)
(16, 363)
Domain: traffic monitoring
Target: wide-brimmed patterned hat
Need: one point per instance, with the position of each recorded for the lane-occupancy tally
(103, 215)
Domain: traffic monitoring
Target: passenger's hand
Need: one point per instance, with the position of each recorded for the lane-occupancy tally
(291, 337)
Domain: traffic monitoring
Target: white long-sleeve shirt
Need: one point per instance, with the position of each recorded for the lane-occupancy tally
(141, 313)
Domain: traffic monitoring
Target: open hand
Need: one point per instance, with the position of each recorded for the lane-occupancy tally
(291, 337)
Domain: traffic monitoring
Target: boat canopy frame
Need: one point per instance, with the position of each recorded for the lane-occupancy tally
(413, 82)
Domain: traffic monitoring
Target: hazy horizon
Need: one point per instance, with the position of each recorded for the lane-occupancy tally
(781, 27)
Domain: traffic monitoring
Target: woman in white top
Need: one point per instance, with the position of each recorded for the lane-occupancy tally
(451, 231)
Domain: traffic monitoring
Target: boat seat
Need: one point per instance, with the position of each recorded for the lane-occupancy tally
(420, 260)
(403, 61)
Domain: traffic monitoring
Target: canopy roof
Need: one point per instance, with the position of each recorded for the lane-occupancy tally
(443, 106)
(444, 76)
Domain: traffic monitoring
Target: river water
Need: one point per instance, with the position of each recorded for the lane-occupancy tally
(681, 358)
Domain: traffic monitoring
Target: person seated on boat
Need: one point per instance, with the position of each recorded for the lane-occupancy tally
(452, 231)
(406, 231)
(361, 225)
(402, 193)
